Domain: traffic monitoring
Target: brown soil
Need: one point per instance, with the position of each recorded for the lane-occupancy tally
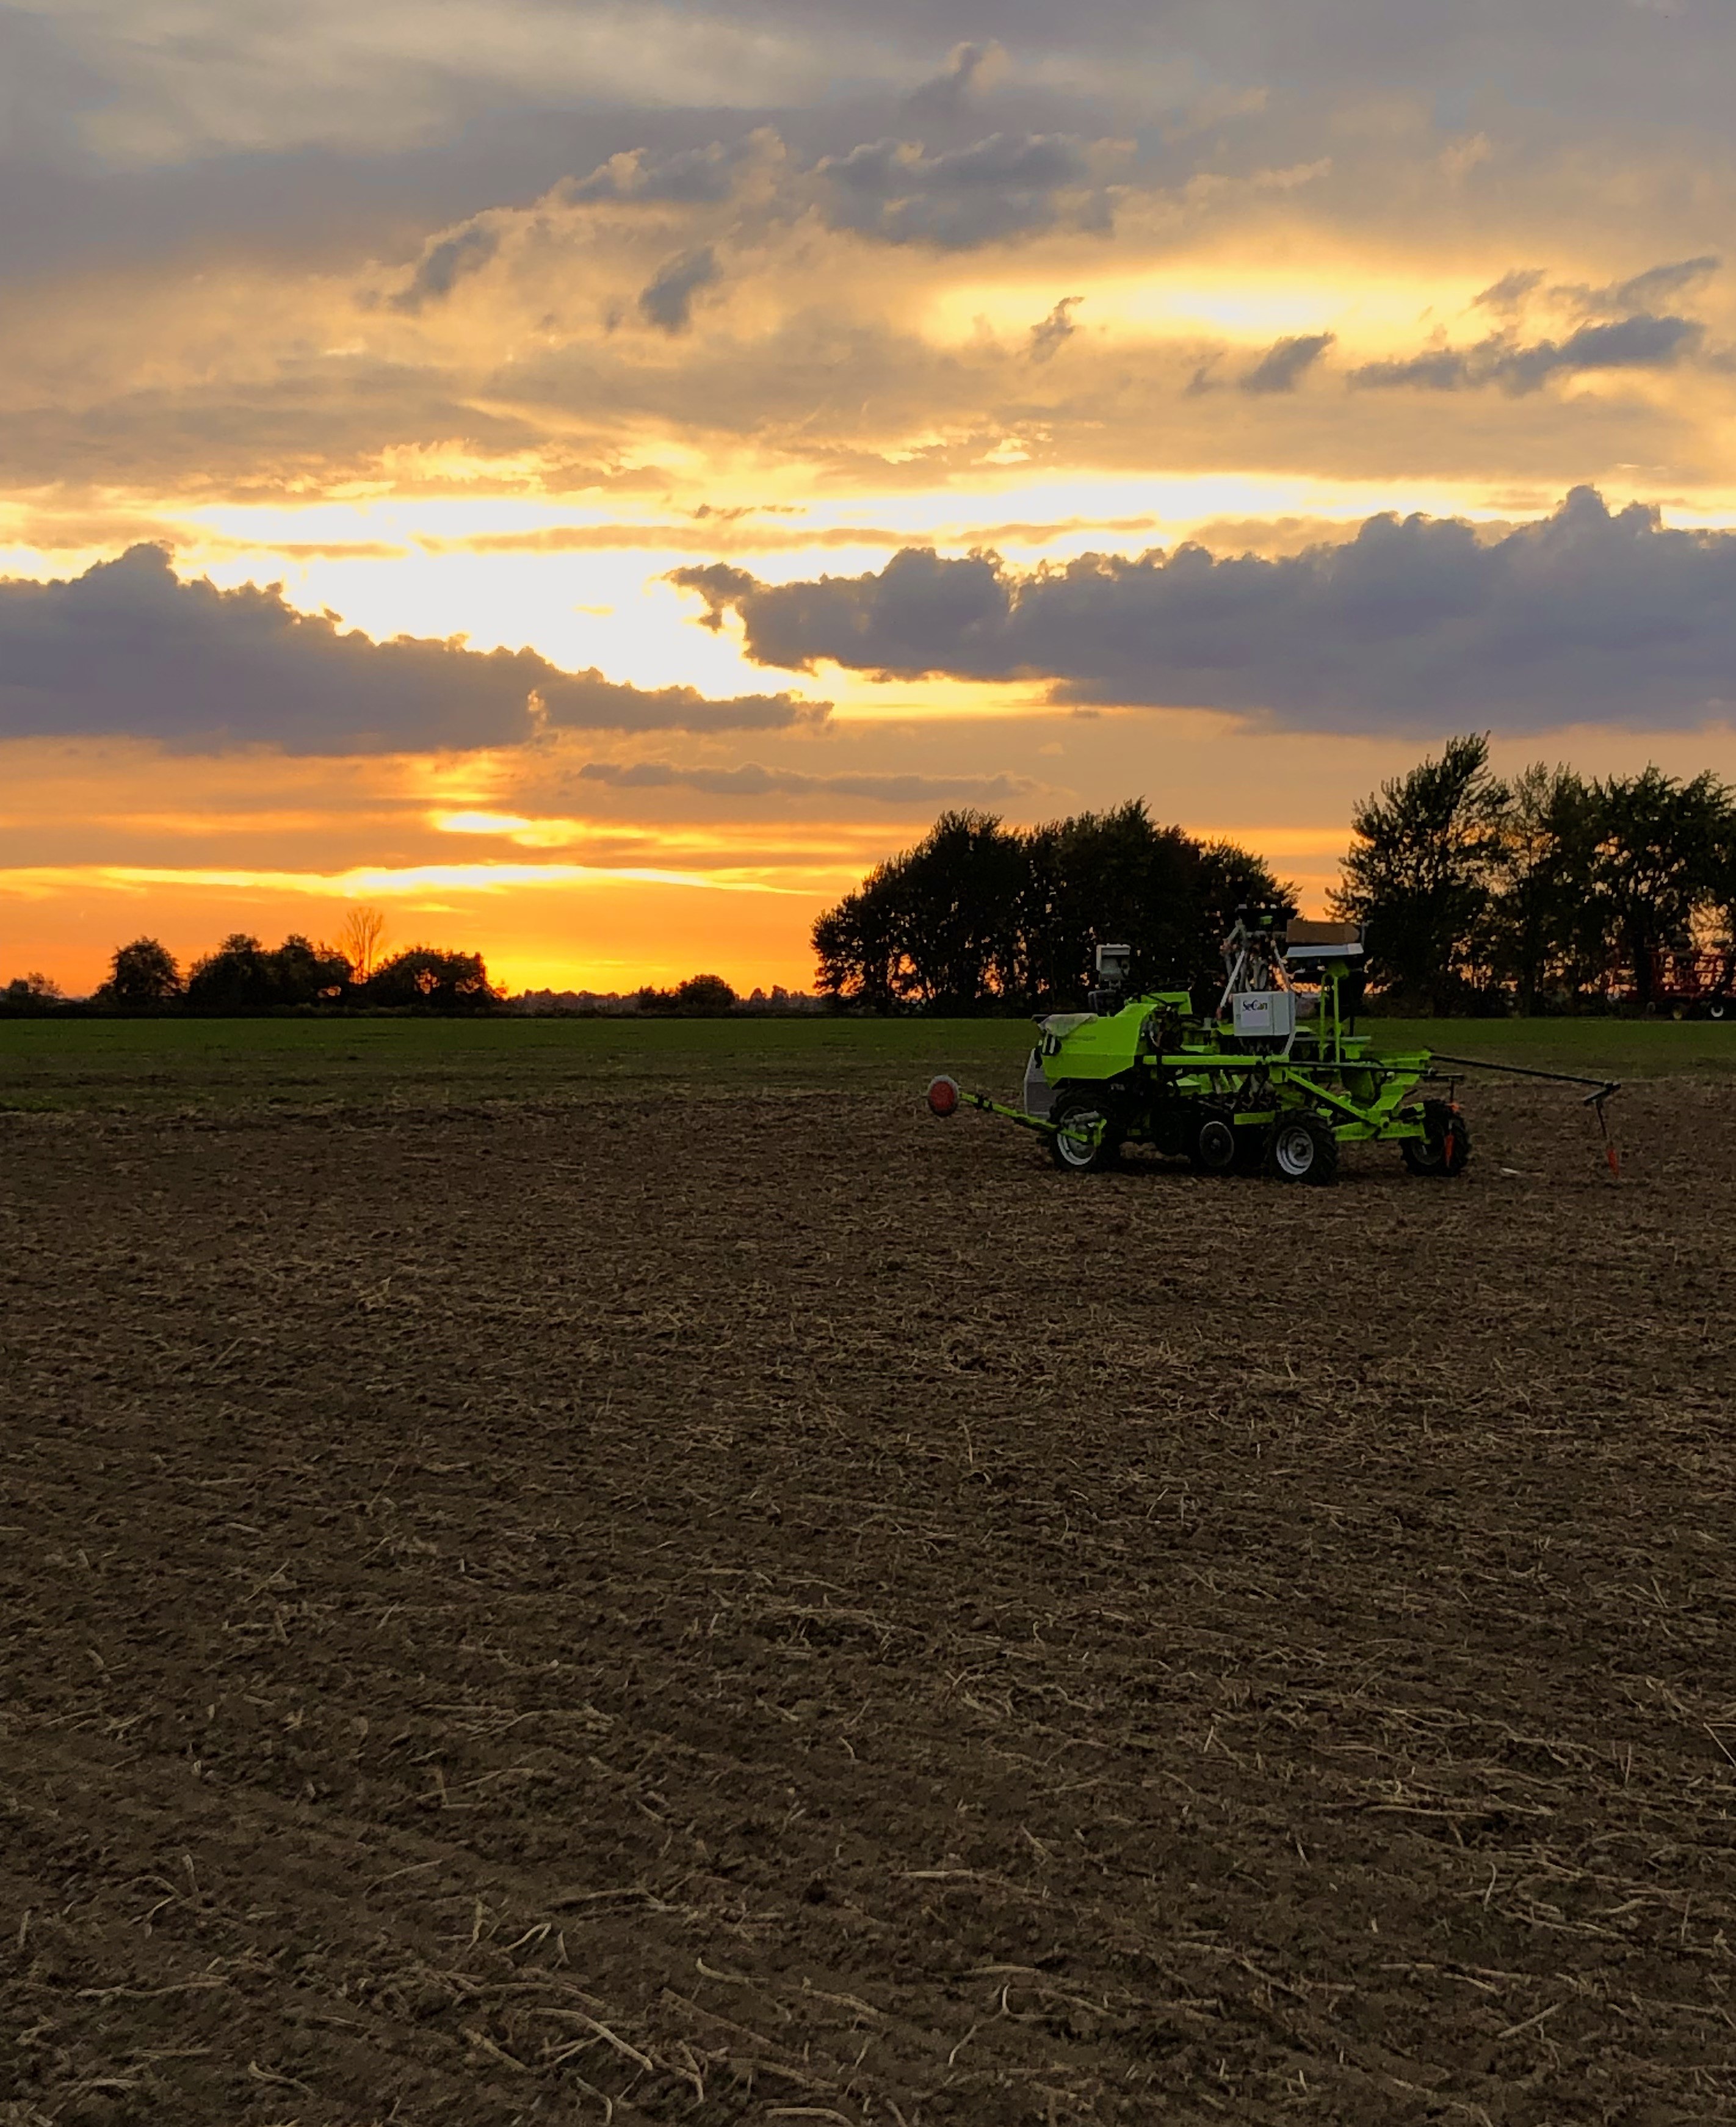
(782, 1610)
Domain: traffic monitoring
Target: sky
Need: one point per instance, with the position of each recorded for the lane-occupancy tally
(591, 480)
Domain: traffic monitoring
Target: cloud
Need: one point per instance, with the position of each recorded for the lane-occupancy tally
(969, 69)
(721, 586)
(752, 781)
(1643, 341)
(692, 177)
(1053, 332)
(1007, 185)
(1647, 291)
(667, 301)
(506, 177)
(1283, 365)
(1415, 624)
(446, 261)
(128, 648)
(1509, 293)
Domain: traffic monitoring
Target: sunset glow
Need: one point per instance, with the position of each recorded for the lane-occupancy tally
(762, 308)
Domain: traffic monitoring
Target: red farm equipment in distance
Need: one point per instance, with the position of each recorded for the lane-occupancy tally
(1687, 982)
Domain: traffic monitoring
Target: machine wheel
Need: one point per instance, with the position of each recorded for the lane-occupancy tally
(1444, 1148)
(1086, 1139)
(1213, 1150)
(1720, 1008)
(1301, 1148)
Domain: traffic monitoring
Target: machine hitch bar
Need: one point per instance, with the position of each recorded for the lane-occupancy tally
(945, 1097)
(1603, 1087)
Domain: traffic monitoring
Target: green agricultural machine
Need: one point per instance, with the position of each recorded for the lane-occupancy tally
(1276, 1081)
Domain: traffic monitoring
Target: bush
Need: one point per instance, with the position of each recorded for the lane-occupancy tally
(704, 996)
(30, 993)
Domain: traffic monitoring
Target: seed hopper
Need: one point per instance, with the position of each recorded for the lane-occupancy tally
(1277, 1080)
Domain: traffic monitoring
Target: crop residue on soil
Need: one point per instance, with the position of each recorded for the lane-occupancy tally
(776, 1609)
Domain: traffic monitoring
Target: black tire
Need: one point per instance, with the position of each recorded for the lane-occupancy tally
(1444, 1148)
(1214, 1149)
(1300, 1147)
(1083, 1154)
(1720, 1008)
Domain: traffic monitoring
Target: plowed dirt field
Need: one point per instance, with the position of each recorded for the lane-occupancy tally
(777, 1609)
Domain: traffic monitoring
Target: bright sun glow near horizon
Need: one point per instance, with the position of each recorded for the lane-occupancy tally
(598, 516)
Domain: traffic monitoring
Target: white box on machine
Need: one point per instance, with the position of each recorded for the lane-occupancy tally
(1265, 1011)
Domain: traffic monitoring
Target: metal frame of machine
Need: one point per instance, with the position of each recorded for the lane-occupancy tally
(1277, 1080)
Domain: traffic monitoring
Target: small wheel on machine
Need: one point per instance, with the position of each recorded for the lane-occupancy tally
(1086, 1140)
(1301, 1148)
(1444, 1149)
(1214, 1149)
(1720, 1008)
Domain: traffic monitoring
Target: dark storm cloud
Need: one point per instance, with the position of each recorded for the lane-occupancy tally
(1416, 623)
(1636, 342)
(128, 648)
(667, 301)
(752, 781)
(1009, 185)
(1283, 366)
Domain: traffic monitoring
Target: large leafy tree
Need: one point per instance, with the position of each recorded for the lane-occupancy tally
(979, 915)
(1546, 939)
(1659, 871)
(241, 976)
(1419, 874)
(935, 927)
(238, 977)
(1118, 875)
(143, 977)
(307, 974)
(425, 978)
(856, 945)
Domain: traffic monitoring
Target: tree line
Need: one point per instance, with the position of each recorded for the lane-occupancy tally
(981, 916)
(243, 976)
(1546, 891)
(1541, 892)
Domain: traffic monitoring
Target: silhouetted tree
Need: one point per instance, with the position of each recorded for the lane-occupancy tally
(1546, 937)
(1419, 874)
(980, 914)
(237, 977)
(1662, 850)
(360, 936)
(305, 973)
(1118, 876)
(937, 927)
(143, 977)
(29, 993)
(704, 996)
(856, 945)
(426, 978)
